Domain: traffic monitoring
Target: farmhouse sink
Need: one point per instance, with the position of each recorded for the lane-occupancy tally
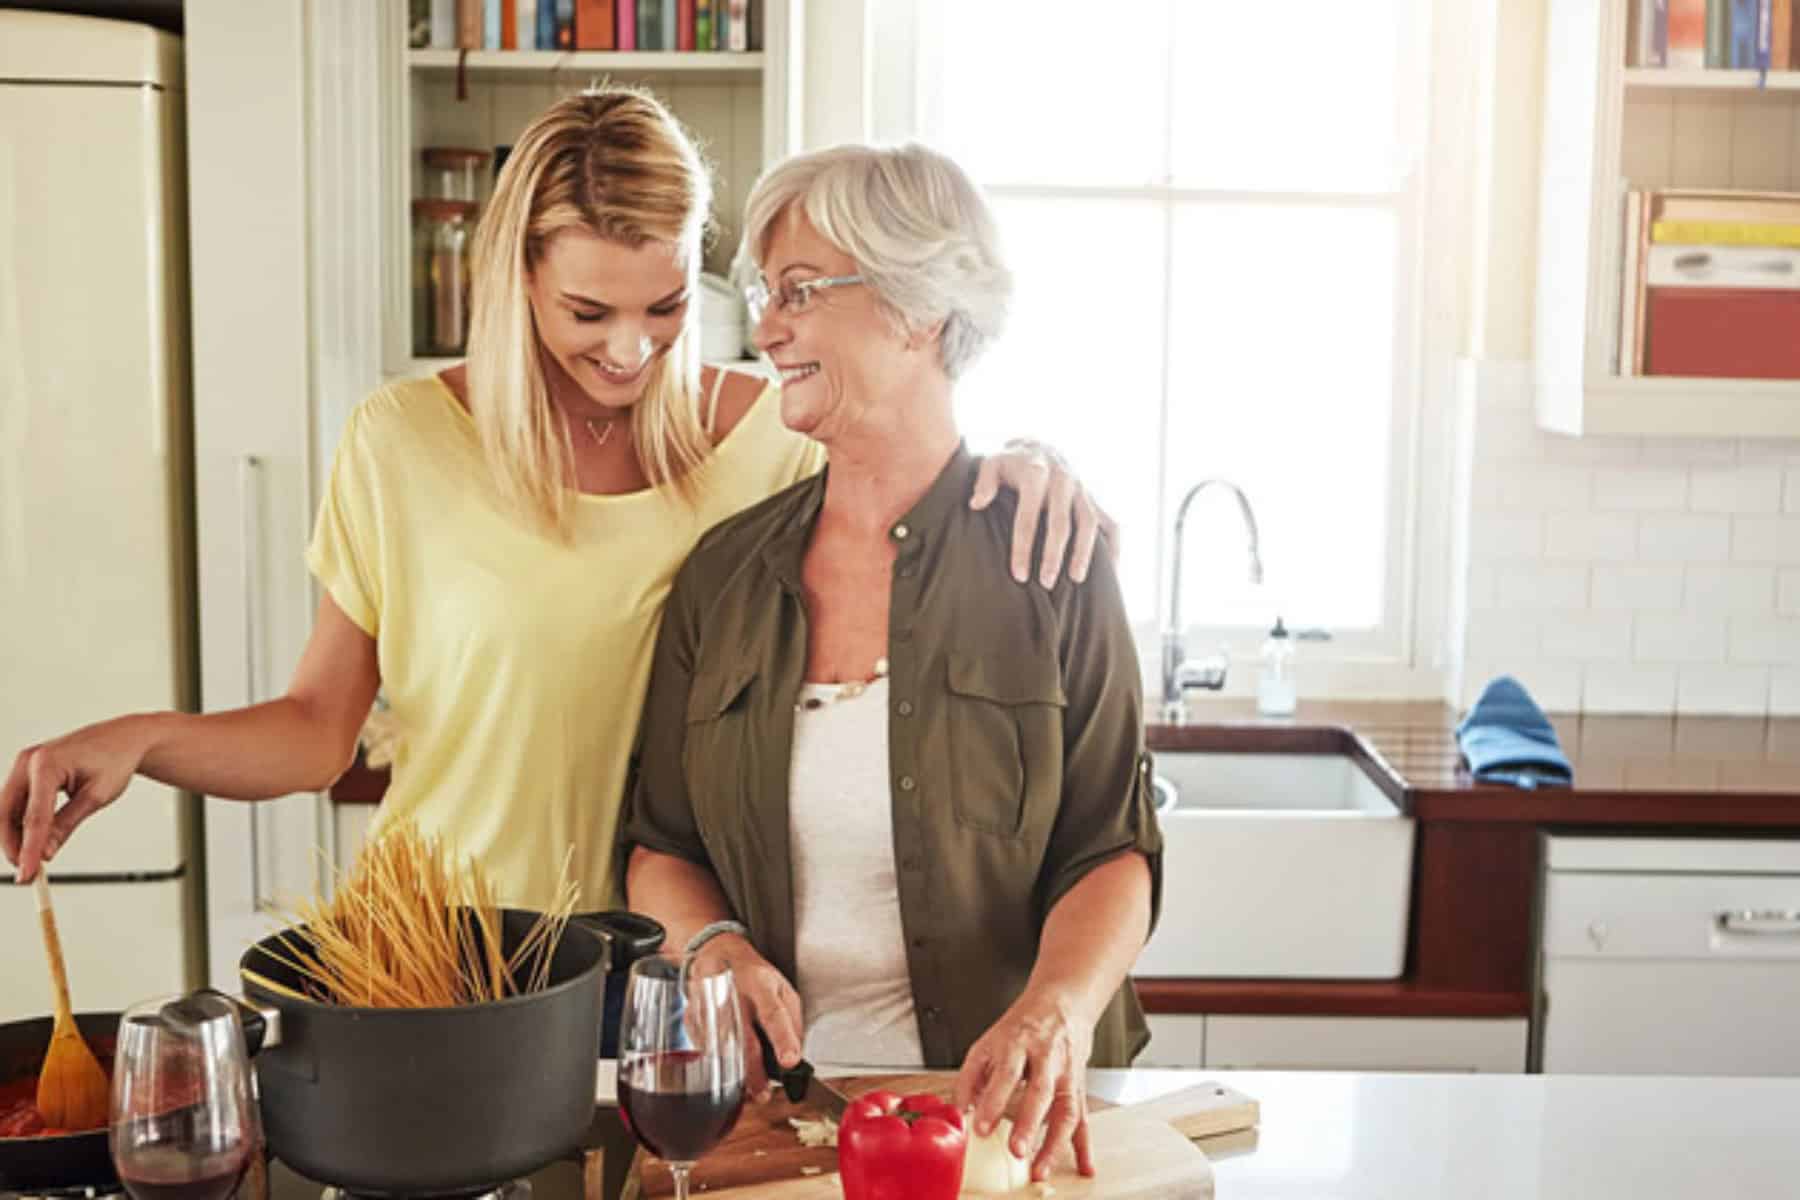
(1278, 865)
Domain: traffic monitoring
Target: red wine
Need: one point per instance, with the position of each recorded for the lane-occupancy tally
(171, 1173)
(679, 1103)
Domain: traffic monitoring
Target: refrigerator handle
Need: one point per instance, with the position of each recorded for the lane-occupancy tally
(250, 511)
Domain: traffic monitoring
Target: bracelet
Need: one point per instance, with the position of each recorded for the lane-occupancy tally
(709, 932)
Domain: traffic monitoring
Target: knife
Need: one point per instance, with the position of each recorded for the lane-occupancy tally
(800, 1083)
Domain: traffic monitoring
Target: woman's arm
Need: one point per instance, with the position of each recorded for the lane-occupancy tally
(300, 742)
(1092, 937)
(685, 897)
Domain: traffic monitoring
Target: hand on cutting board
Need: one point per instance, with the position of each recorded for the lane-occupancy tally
(766, 999)
(1042, 1041)
(92, 765)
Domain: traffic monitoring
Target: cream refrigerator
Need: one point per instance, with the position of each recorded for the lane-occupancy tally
(97, 613)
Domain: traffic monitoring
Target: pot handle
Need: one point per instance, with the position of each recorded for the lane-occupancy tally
(261, 1022)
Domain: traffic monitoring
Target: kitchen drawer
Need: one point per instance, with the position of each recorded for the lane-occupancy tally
(1478, 1044)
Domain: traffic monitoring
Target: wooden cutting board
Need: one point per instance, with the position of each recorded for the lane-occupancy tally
(1139, 1150)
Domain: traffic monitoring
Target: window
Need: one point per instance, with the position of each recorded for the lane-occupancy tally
(1213, 211)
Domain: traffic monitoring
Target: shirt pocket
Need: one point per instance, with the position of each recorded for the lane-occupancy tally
(1005, 722)
(715, 750)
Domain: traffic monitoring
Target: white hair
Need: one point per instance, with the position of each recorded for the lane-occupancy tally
(919, 229)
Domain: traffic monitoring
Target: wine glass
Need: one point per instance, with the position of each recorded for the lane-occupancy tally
(681, 1058)
(184, 1118)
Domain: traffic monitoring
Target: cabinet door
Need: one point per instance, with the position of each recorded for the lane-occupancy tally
(1366, 1043)
(1176, 1040)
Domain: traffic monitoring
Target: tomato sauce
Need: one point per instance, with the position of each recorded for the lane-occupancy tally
(19, 1117)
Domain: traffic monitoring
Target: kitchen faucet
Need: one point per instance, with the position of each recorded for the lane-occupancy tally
(1179, 673)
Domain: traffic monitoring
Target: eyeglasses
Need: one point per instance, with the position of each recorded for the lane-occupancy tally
(792, 298)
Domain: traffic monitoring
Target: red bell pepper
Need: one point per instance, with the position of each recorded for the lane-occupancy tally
(893, 1147)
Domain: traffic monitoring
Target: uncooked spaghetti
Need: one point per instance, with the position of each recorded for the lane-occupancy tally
(411, 925)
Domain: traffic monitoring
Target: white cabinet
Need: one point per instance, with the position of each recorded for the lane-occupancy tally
(1606, 127)
(1671, 956)
(1176, 1040)
(1478, 1044)
(1233, 1042)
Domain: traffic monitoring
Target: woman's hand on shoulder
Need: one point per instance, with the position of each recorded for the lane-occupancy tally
(1049, 494)
(768, 1000)
(1043, 1041)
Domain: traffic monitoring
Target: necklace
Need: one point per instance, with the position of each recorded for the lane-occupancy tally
(599, 435)
(847, 691)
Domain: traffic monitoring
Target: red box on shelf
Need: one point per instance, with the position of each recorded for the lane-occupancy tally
(1723, 333)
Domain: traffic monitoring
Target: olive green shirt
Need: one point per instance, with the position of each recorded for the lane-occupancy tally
(1015, 742)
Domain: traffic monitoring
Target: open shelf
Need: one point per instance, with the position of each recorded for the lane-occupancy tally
(1712, 80)
(1670, 406)
(595, 62)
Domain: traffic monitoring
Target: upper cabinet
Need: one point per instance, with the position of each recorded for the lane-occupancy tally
(1611, 127)
(743, 108)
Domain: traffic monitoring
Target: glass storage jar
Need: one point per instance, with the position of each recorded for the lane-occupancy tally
(441, 276)
(453, 172)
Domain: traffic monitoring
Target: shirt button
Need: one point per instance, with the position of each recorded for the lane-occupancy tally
(906, 783)
(929, 1013)
(900, 531)
(906, 708)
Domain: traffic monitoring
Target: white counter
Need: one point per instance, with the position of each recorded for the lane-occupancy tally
(1338, 1136)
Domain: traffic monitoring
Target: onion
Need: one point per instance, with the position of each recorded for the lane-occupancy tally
(990, 1168)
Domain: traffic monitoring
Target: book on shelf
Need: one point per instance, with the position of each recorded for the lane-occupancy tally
(624, 25)
(1685, 33)
(525, 24)
(594, 24)
(565, 25)
(684, 25)
(1650, 33)
(703, 23)
(1781, 35)
(1725, 233)
(1775, 268)
(1724, 333)
(1740, 38)
(738, 28)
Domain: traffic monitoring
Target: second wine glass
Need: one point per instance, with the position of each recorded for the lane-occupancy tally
(184, 1117)
(681, 1058)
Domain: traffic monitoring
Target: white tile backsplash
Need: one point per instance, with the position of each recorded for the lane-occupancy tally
(1626, 575)
(1739, 489)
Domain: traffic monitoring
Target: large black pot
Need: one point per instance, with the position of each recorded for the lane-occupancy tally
(431, 1101)
(71, 1160)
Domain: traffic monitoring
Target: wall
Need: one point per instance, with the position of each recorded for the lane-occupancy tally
(1609, 574)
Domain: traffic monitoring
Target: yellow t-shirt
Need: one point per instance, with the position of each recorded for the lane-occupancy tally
(515, 666)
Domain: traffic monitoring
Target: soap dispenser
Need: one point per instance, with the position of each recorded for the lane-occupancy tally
(1276, 694)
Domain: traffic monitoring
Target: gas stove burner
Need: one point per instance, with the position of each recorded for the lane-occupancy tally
(107, 1192)
(518, 1189)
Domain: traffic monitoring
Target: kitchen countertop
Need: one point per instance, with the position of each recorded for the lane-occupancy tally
(1364, 1135)
(1652, 770)
(1350, 1136)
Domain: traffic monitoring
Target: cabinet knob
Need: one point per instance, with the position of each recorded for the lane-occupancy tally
(1596, 932)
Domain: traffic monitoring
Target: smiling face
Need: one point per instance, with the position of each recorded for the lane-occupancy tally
(838, 355)
(606, 312)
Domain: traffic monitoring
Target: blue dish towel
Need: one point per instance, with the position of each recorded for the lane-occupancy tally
(1507, 739)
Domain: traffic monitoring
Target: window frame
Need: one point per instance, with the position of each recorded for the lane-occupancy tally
(1407, 655)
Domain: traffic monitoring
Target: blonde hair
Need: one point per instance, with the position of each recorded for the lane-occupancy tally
(614, 162)
(919, 229)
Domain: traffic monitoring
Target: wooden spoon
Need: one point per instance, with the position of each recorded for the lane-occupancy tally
(72, 1087)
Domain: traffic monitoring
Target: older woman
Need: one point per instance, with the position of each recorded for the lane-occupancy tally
(865, 767)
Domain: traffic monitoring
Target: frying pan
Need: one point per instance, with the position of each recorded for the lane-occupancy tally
(70, 1160)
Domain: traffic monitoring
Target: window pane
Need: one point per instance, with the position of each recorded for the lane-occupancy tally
(1080, 362)
(1293, 97)
(1281, 379)
(1053, 92)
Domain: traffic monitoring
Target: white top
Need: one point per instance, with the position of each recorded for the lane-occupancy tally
(850, 948)
(1352, 1135)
